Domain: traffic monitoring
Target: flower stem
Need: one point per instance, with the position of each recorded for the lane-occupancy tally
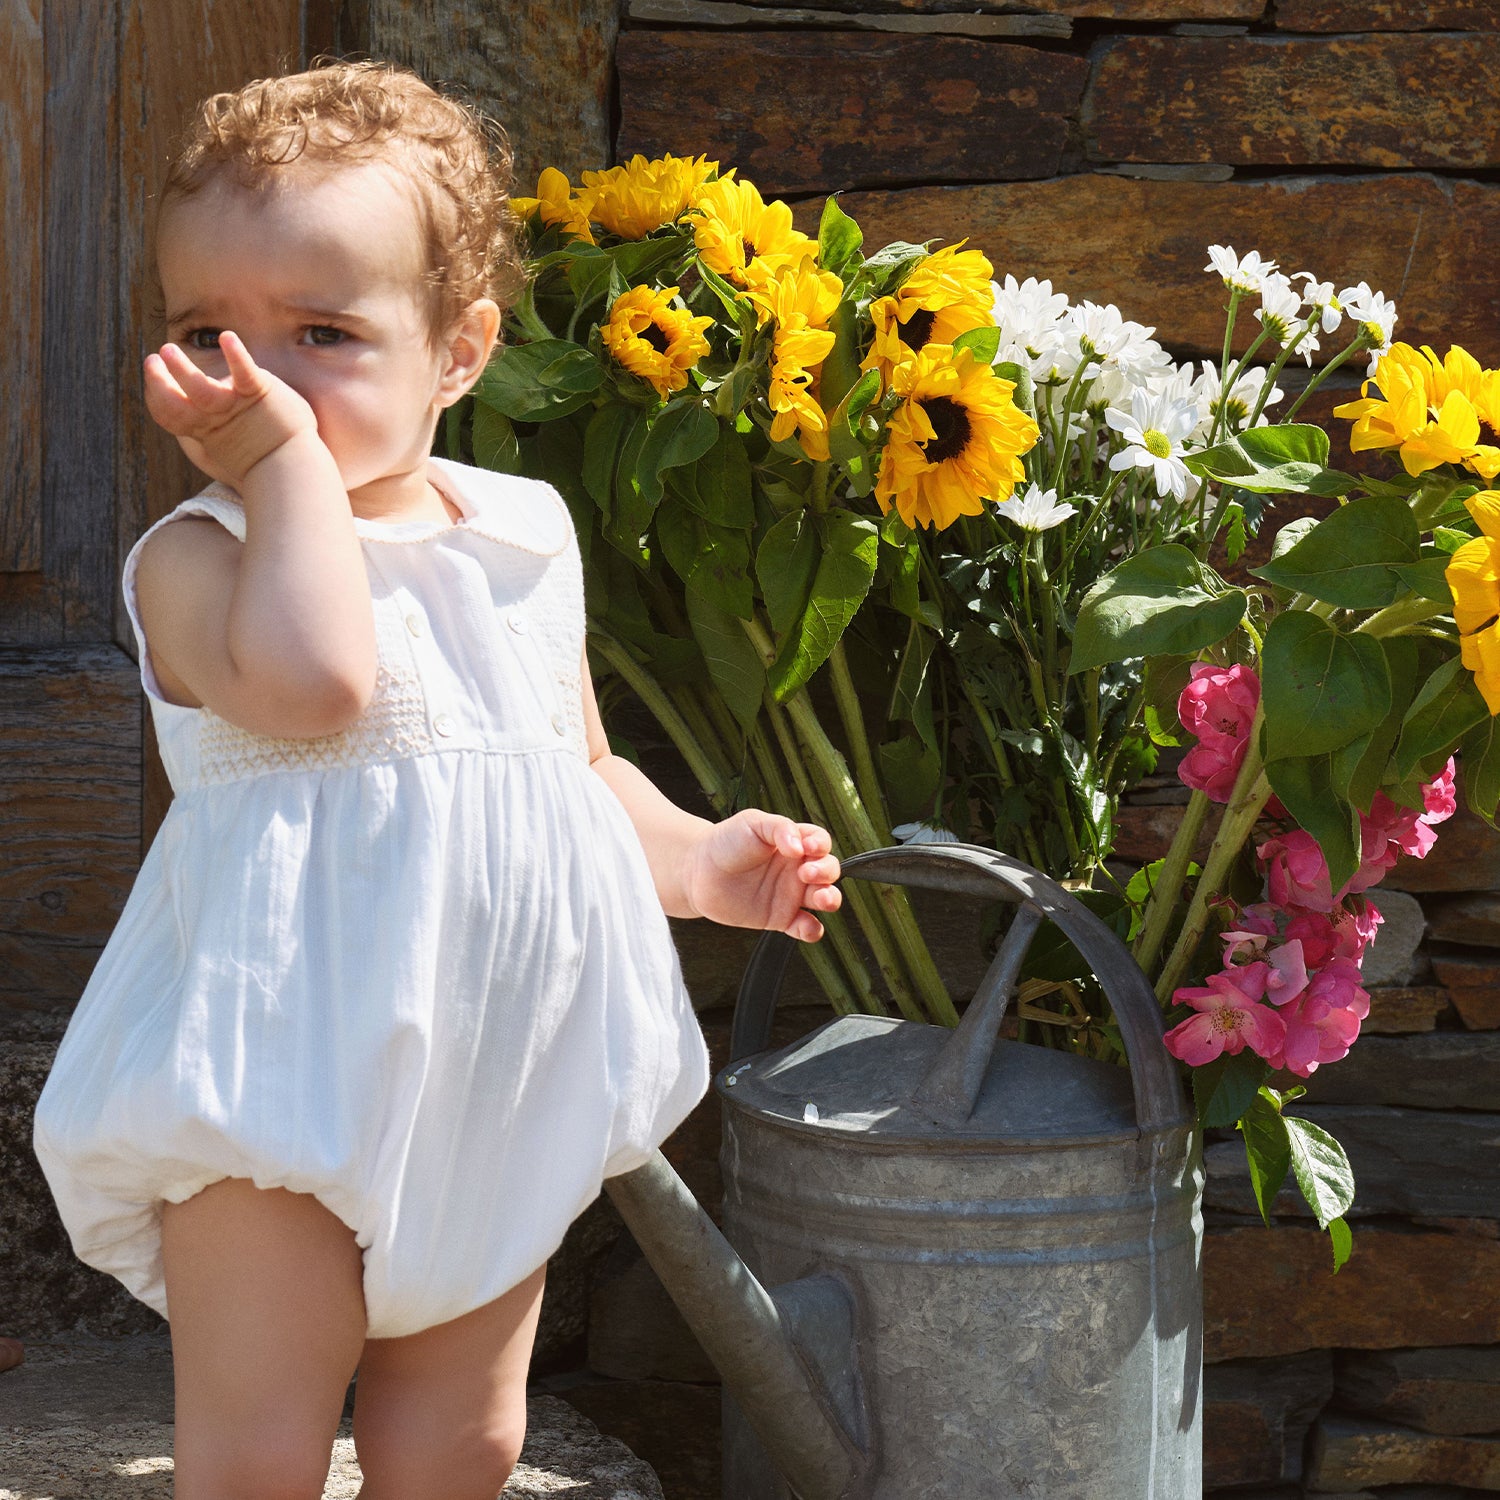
(847, 699)
(1251, 793)
(1324, 373)
(1401, 615)
(1168, 889)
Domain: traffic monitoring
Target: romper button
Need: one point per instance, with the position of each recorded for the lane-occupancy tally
(414, 624)
(559, 723)
(517, 622)
(443, 724)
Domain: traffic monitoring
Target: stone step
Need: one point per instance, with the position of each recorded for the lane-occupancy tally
(87, 1418)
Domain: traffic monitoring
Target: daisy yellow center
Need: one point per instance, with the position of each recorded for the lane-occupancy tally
(951, 426)
(1156, 443)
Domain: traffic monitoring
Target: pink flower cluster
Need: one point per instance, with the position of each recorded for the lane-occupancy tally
(1290, 986)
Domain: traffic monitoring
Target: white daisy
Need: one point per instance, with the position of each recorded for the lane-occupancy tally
(1238, 402)
(1280, 313)
(1319, 297)
(1370, 309)
(1028, 314)
(1036, 509)
(1245, 272)
(923, 833)
(1154, 433)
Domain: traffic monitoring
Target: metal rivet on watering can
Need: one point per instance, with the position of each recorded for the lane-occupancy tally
(984, 1255)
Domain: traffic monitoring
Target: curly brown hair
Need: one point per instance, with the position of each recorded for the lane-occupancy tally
(457, 162)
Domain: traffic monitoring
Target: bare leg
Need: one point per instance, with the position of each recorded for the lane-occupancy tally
(264, 1292)
(439, 1415)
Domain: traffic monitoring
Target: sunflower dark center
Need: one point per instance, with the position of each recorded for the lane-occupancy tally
(950, 425)
(749, 249)
(656, 338)
(917, 329)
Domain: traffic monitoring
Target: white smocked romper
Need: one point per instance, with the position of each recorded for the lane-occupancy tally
(416, 969)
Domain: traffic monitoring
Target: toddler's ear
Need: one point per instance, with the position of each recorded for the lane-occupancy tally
(468, 344)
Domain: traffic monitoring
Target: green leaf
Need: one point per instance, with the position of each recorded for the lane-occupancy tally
(982, 343)
(733, 663)
(1267, 1150)
(711, 560)
(718, 485)
(1287, 459)
(631, 512)
(1447, 706)
(1426, 579)
(840, 369)
(846, 569)
(1342, 1238)
(1309, 787)
(1350, 559)
(1480, 750)
(907, 701)
(910, 772)
(1321, 688)
(1224, 1088)
(1162, 600)
(1322, 1170)
(602, 441)
(541, 381)
(683, 432)
(495, 445)
(839, 237)
(785, 565)
(1165, 678)
(1360, 768)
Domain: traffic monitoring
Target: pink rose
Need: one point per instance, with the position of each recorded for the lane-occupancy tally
(1229, 1018)
(1337, 984)
(1288, 973)
(1315, 1033)
(1296, 872)
(1439, 797)
(1377, 830)
(1216, 708)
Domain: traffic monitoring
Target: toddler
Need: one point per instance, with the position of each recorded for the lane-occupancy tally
(394, 989)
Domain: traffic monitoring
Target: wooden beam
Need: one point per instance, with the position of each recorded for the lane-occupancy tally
(22, 85)
(544, 71)
(70, 822)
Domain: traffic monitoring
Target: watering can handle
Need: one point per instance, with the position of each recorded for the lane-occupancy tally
(970, 869)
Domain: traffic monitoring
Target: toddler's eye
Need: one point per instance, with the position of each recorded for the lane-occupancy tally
(324, 336)
(202, 338)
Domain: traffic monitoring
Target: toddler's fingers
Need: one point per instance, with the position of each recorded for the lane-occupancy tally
(823, 898)
(165, 400)
(244, 373)
(805, 927)
(203, 391)
(819, 871)
(816, 840)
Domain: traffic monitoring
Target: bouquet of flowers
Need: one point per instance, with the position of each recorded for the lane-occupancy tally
(881, 542)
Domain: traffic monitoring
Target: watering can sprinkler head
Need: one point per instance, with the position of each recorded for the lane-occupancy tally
(915, 1118)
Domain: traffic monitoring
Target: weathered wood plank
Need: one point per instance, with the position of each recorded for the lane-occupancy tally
(1108, 10)
(726, 13)
(1400, 1289)
(79, 412)
(70, 721)
(544, 71)
(1142, 245)
(1367, 101)
(988, 110)
(1387, 15)
(31, 607)
(21, 89)
(172, 56)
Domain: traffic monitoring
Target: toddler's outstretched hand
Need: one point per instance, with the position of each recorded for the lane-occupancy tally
(759, 869)
(226, 426)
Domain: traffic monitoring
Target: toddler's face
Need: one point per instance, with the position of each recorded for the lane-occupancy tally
(321, 275)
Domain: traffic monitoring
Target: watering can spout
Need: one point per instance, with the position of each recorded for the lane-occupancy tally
(799, 1394)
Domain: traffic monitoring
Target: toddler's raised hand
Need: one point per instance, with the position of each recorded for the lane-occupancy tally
(758, 869)
(225, 426)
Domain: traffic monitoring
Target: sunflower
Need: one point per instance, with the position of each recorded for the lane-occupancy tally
(556, 204)
(632, 200)
(799, 300)
(956, 440)
(1429, 409)
(743, 238)
(1473, 575)
(946, 295)
(653, 339)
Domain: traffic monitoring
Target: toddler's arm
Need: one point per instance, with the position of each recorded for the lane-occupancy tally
(756, 869)
(275, 635)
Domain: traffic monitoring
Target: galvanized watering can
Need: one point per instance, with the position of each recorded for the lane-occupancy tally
(982, 1256)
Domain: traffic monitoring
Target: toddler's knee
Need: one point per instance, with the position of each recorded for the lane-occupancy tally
(470, 1466)
(273, 1469)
